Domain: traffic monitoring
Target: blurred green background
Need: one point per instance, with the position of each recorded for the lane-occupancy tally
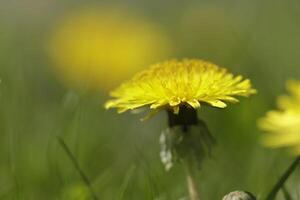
(120, 154)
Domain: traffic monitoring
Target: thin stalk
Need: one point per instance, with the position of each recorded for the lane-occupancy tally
(187, 149)
(282, 180)
(191, 182)
(77, 167)
(286, 193)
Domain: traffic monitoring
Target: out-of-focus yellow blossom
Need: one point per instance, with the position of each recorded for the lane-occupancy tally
(283, 125)
(98, 48)
(174, 83)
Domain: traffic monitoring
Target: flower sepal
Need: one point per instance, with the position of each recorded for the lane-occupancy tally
(185, 144)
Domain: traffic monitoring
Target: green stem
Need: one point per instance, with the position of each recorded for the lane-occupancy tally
(191, 181)
(77, 167)
(283, 179)
(286, 193)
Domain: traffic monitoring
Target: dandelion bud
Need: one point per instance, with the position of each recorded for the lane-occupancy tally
(239, 195)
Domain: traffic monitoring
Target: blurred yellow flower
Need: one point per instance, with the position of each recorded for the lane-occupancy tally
(174, 83)
(283, 125)
(98, 48)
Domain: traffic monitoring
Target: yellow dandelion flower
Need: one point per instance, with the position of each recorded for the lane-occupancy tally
(98, 48)
(283, 125)
(173, 83)
(180, 87)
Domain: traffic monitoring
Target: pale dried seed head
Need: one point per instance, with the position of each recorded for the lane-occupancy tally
(239, 195)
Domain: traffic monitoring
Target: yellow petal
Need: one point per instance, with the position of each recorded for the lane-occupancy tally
(194, 103)
(217, 103)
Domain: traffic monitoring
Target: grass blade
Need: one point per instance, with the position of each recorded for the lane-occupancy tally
(77, 167)
(283, 179)
(286, 193)
(125, 183)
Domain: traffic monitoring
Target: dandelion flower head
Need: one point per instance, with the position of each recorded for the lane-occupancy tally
(282, 126)
(171, 84)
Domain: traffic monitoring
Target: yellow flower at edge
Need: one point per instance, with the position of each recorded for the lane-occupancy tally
(98, 48)
(282, 126)
(170, 84)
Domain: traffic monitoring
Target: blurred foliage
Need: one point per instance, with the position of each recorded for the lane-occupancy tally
(120, 155)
